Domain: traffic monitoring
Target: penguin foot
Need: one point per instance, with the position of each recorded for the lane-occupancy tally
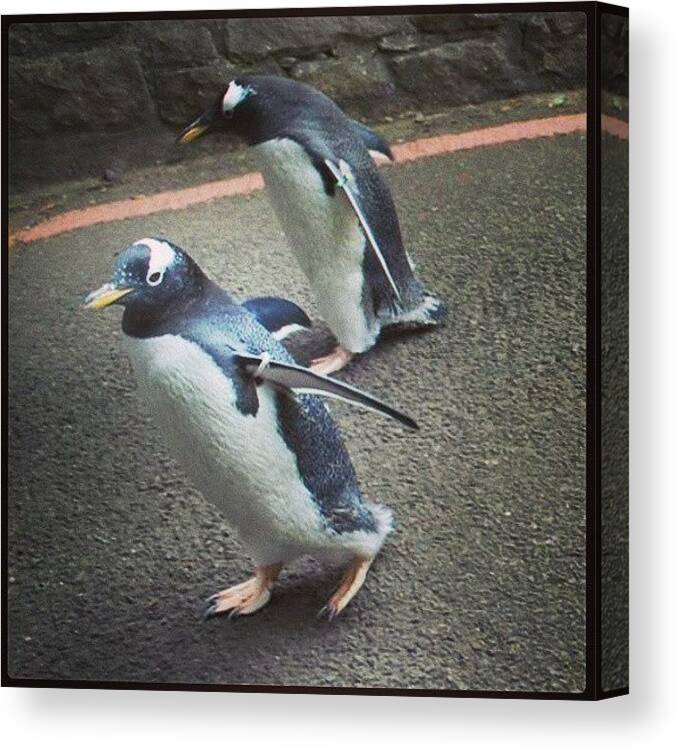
(350, 584)
(246, 597)
(332, 362)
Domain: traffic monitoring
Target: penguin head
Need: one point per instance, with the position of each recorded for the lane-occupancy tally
(148, 277)
(230, 112)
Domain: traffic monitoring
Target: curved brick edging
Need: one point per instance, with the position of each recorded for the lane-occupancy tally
(252, 181)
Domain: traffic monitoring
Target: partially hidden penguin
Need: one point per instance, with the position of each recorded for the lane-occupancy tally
(280, 317)
(247, 424)
(335, 208)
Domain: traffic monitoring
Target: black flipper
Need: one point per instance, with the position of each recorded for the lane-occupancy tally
(354, 172)
(302, 380)
(373, 141)
(342, 173)
(277, 314)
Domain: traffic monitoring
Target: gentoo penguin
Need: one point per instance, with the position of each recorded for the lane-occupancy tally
(240, 417)
(335, 208)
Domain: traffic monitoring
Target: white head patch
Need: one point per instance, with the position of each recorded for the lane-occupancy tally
(161, 257)
(234, 95)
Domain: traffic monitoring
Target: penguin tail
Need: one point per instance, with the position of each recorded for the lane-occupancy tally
(278, 316)
(374, 143)
(431, 311)
(384, 520)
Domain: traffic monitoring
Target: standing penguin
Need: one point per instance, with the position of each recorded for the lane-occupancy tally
(335, 208)
(225, 393)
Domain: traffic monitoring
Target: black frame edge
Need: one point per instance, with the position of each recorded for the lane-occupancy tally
(4, 468)
(8, 681)
(592, 358)
(582, 6)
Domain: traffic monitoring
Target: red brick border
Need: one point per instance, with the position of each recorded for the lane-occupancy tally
(251, 182)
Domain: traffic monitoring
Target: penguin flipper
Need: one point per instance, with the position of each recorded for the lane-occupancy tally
(373, 141)
(342, 174)
(279, 316)
(299, 379)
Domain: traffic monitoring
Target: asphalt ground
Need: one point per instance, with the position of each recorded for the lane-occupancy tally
(482, 586)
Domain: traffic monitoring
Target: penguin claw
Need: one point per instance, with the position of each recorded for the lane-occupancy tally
(327, 612)
(210, 612)
(245, 598)
(213, 611)
(350, 584)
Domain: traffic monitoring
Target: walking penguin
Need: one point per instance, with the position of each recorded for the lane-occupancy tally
(244, 421)
(335, 208)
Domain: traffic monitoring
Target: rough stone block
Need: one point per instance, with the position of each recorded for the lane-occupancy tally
(90, 30)
(174, 44)
(26, 38)
(398, 42)
(556, 44)
(372, 27)
(456, 23)
(615, 58)
(566, 24)
(44, 38)
(360, 85)
(251, 39)
(463, 72)
(84, 91)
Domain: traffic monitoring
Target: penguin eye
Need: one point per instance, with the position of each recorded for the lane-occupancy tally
(153, 279)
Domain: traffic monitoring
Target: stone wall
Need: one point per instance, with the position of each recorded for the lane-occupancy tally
(80, 87)
(614, 50)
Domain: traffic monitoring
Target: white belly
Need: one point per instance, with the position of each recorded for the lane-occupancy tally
(239, 462)
(325, 236)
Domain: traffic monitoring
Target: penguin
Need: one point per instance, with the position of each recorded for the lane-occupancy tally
(247, 423)
(335, 208)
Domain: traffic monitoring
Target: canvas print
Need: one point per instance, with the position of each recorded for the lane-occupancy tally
(299, 337)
